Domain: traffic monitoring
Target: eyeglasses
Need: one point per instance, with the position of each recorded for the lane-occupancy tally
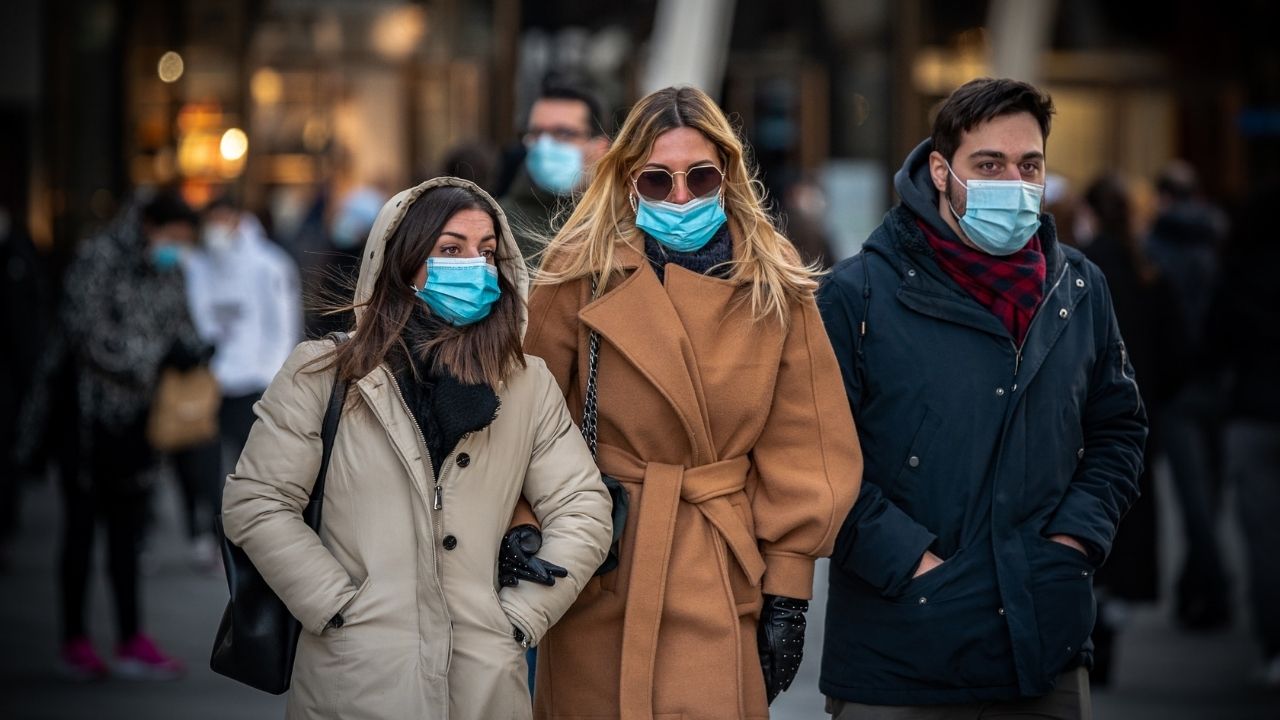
(559, 134)
(657, 184)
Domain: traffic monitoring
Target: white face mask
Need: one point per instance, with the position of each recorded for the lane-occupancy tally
(1000, 216)
(219, 238)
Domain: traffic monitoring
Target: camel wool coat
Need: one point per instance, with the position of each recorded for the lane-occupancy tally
(409, 559)
(735, 441)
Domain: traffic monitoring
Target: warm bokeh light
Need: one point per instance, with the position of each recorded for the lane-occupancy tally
(234, 144)
(170, 67)
(397, 31)
(266, 86)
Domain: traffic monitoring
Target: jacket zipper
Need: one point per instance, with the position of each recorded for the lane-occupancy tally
(437, 501)
(1017, 349)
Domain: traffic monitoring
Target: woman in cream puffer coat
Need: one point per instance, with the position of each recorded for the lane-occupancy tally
(447, 424)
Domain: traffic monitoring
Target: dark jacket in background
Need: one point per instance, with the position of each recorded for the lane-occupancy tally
(532, 212)
(1150, 320)
(977, 450)
(123, 321)
(1244, 318)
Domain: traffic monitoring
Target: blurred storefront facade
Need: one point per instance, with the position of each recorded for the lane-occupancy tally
(280, 101)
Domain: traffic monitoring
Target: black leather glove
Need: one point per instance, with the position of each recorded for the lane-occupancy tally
(780, 640)
(516, 559)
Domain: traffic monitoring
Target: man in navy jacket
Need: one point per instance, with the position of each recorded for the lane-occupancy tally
(1001, 429)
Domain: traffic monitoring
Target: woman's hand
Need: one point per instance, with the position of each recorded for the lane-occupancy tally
(780, 640)
(516, 559)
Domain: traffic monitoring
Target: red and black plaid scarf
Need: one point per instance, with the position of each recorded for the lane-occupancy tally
(1011, 287)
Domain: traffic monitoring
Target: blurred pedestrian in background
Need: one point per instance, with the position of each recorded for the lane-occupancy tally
(447, 423)
(472, 161)
(245, 300)
(333, 273)
(805, 209)
(24, 297)
(564, 138)
(1002, 430)
(719, 410)
(1184, 244)
(1244, 329)
(122, 320)
(1150, 321)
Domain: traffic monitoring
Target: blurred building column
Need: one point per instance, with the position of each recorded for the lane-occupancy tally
(689, 45)
(1019, 32)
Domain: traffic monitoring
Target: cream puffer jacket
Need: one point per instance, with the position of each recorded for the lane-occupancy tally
(426, 632)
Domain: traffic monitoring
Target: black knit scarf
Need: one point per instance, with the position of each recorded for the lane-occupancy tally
(446, 410)
(704, 261)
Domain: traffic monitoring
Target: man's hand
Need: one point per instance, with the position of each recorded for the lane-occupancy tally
(928, 561)
(1070, 542)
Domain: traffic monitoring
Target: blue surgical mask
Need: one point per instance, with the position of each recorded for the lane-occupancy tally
(165, 257)
(460, 290)
(554, 166)
(683, 228)
(1000, 216)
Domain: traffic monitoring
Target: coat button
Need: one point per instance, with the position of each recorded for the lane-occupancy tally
(1079, 282)
(463, 460)
(913, 461)
(1001, 611)
(1079, 453)
(911, 273)
(922, 601)
(450, 542)
(1063, 313)
(999, 392)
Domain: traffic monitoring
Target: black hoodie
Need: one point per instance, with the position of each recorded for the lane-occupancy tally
(914, 186)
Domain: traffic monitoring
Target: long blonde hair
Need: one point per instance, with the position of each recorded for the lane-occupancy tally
(766, 262)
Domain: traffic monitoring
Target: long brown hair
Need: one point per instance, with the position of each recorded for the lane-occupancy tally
(484, 352)
(766, 262)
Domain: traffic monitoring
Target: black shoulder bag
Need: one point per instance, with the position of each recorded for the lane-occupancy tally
(618, 493)
(258, 637)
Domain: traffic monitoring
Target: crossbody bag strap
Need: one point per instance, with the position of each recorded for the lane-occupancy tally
(328, 432)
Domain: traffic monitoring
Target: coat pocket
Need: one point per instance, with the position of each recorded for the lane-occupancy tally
(1062, 590)
(946, 634)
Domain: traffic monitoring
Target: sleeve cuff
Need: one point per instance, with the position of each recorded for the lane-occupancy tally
(788, 575)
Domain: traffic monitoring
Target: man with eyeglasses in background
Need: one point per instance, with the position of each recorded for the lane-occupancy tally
(563, 138)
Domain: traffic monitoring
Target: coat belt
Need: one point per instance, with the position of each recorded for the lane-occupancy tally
(707, 487)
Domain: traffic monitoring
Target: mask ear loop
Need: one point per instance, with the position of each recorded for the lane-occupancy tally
(963, 184)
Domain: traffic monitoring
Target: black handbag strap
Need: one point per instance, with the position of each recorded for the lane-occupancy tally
(328, 432)
(589, 407)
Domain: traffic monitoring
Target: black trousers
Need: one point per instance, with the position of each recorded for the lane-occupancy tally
(200, 476)
(124, 515)
(103, 482)
(235, 419)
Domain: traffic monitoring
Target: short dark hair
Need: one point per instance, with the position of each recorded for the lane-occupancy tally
(985, 99)
(553, 90)
(1177, 180)
(166, 208)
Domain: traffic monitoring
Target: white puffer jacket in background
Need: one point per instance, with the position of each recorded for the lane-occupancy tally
(246, 301)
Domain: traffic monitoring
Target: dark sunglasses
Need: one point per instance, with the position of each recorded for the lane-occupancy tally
(657, 184)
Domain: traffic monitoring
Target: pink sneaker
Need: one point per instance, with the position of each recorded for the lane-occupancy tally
(140, 659)
(80, 662)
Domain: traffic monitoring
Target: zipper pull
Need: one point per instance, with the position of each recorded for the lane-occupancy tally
(438, 501)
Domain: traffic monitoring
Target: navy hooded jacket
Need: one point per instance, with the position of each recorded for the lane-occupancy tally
(978, 450)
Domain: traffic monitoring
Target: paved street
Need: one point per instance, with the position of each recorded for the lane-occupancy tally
(1161, 674)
